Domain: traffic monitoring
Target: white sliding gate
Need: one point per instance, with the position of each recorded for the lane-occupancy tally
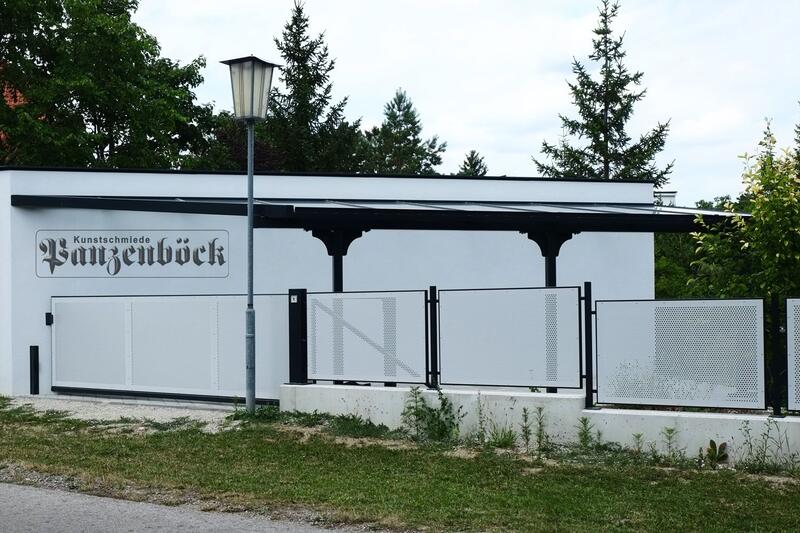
(189, 345)
(793, 341)
(510, 337)
(367, 336)
(696, 353)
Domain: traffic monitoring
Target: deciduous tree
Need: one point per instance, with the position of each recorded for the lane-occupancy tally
(95, 89)
(760, 254)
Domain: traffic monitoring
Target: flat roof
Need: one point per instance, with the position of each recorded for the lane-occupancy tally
(314, 174)
(361, 214)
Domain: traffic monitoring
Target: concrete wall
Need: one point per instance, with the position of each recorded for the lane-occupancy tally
(562, 414)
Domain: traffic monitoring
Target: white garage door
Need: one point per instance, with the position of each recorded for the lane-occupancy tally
(185, 345)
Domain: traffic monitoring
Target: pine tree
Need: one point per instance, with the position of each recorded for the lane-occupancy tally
(604, 108)
(396, 146)
(306, 129)
(473, 165)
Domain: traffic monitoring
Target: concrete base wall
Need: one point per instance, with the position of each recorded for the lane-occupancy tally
(562, 414)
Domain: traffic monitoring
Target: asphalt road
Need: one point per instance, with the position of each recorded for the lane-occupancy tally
(26, 509)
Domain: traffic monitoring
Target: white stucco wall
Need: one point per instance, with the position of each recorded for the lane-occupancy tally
(5, 284)
(620, 265)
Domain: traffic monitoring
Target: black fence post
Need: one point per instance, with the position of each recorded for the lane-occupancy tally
(34, 374)
(298, 347)
(433, 303)
(588, 364)
(775, 366)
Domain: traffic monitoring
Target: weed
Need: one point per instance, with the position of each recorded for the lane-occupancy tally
(180, 423)
(431, 424)
(769, 453)
(501, 437)
(480, 436)
(355, 426)
(638, 445)
(265, 413)
(674, 455)
(525, 429)
(585, 436)
(716, 455)
(542, 439)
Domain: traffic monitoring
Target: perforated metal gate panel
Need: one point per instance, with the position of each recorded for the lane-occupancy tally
(510, 337)
(702, 353)
(367, 336)
(169, 344)
(793, 341)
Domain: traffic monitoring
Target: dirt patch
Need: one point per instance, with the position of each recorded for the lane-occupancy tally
(130, 413)
(462, 453)
(361, 442)
(23, 475)
(777, 481)
(301, 433)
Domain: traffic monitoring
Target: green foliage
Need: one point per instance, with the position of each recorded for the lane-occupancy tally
(585, 436)
(716, 455)
(473, 165)
(397, 146)
(431, 424)
(503, 437)
(355, 426)
(674, 454)
(757, 255)
(306, 130)
(674, 254)
(342, 425)
(258, 466)
(767, 453)
(525, 429)
(93, 89)
(638, 445)
(797, 149)
(604, 107)
(543, 443)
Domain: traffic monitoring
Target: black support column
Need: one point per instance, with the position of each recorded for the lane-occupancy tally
(550, 242)
(337, 242)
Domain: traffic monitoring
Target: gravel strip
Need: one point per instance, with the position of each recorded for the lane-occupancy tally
(106, 409)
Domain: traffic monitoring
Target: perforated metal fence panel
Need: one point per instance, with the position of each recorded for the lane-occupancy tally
(367, 336)
(793, 341)
(697, 353)
(510, 337)
(191, 345)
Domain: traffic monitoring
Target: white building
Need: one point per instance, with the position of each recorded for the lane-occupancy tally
(117, 233)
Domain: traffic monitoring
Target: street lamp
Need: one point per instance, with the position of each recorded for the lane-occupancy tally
(251, 79)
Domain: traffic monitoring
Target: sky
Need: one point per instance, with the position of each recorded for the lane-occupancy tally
(492, 75)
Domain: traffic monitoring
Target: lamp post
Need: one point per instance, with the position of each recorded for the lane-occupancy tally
(251, 79)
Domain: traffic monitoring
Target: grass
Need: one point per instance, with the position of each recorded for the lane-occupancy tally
(264, 463)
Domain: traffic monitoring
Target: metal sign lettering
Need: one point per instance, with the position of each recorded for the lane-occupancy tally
(132, 253)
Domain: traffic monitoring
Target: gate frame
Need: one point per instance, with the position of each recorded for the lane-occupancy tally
(674, 406)
(581, 375)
